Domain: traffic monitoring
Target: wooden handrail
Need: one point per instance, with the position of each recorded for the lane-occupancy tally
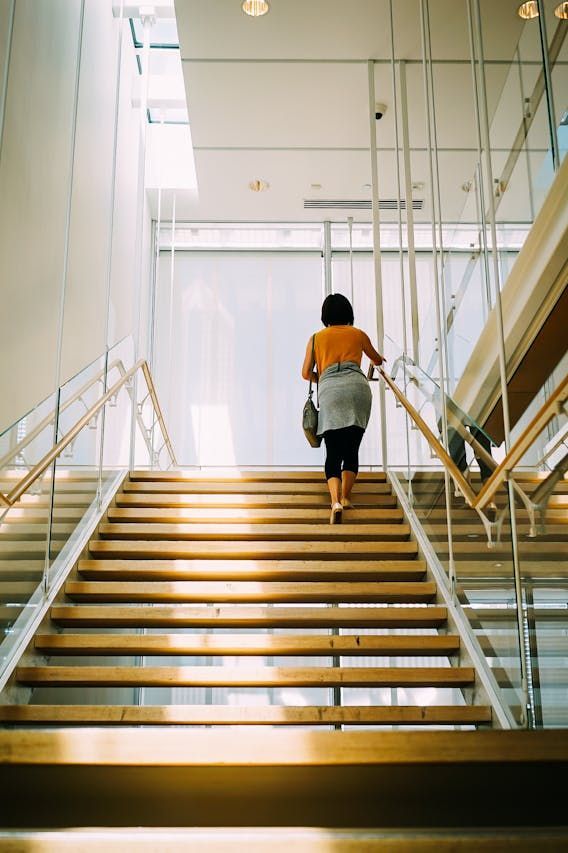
(38, 469)
(515, 454)
(49, 418)
(158, 410)
(436, 446)
(522, 444)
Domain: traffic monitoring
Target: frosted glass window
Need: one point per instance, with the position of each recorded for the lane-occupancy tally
(231, 332)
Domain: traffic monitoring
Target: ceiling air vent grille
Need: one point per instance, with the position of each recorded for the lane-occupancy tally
(361, 204)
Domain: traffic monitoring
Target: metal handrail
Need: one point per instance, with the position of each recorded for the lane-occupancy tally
(24, 484)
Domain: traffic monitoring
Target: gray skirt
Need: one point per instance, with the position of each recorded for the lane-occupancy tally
(344, 397)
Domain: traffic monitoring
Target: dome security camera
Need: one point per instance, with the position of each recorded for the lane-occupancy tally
(380, 110)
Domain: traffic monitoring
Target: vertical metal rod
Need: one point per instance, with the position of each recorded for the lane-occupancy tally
(65, 269)
(171, 314)
(442, 278)
(6, 71)
(64, 276)
(526, 124)
(102, 435)
(377, 252)
(479, 175)
(350, 229)
(486, 298)
(403, 306)
(437, 301)
(409, 214)
(327, 274)
(110, 232)
(53, 468)
(548, 86)
(148, 22)
(152, 323)
(151, 331)
(475, 25)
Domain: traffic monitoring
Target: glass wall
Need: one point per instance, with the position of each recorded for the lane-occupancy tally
(230, 336)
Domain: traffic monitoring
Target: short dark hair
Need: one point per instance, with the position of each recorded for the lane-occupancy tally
(336, 311)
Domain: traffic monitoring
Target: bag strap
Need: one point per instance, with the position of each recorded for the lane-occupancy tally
(312, 368)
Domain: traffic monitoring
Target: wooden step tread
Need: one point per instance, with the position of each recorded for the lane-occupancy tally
(220, 592)
(528, 548)
(257, 570)
(246, 676)
(561, 488)
(25, 549)
(480, 617)
(252, 501)
(16, 591)
(353, 715)
(483, 570)
(189, 476)
(222, 515)
(251, 550)
(26, 531)
(243, 488)
(379, 616)
(247, 644)
(553, 531)
(253, 532)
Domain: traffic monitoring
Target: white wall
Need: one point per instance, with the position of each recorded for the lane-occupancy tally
(36, 175)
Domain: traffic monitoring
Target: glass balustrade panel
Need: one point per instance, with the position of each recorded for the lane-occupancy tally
(476, 556)
(24, 531)
(541, 478)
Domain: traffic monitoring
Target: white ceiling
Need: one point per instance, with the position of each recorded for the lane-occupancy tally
(285, 98)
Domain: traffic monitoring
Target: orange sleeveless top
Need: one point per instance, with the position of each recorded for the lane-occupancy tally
(338, 344)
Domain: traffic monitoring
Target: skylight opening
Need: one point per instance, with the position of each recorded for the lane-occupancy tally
(164, 34)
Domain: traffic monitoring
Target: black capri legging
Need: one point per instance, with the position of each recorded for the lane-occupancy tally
(342, 446)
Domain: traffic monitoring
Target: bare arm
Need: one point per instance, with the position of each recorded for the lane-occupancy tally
(371, 352)
(308, 365)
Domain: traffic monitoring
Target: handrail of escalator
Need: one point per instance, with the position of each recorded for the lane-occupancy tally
(549, 409)
(24, 484)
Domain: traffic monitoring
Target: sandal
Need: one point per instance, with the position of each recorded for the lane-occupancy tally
(336, 514)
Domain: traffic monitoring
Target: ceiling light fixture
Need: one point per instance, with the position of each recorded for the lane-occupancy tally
(258, 186)
(255, 8)
(528, 10)
(561, 11)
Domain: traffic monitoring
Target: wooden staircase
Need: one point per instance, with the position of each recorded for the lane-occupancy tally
(195, 670)
(214, 584)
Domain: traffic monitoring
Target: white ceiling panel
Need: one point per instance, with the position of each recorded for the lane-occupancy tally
(337, 29)
(284, 98)
(279, 104)
(224, 177)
